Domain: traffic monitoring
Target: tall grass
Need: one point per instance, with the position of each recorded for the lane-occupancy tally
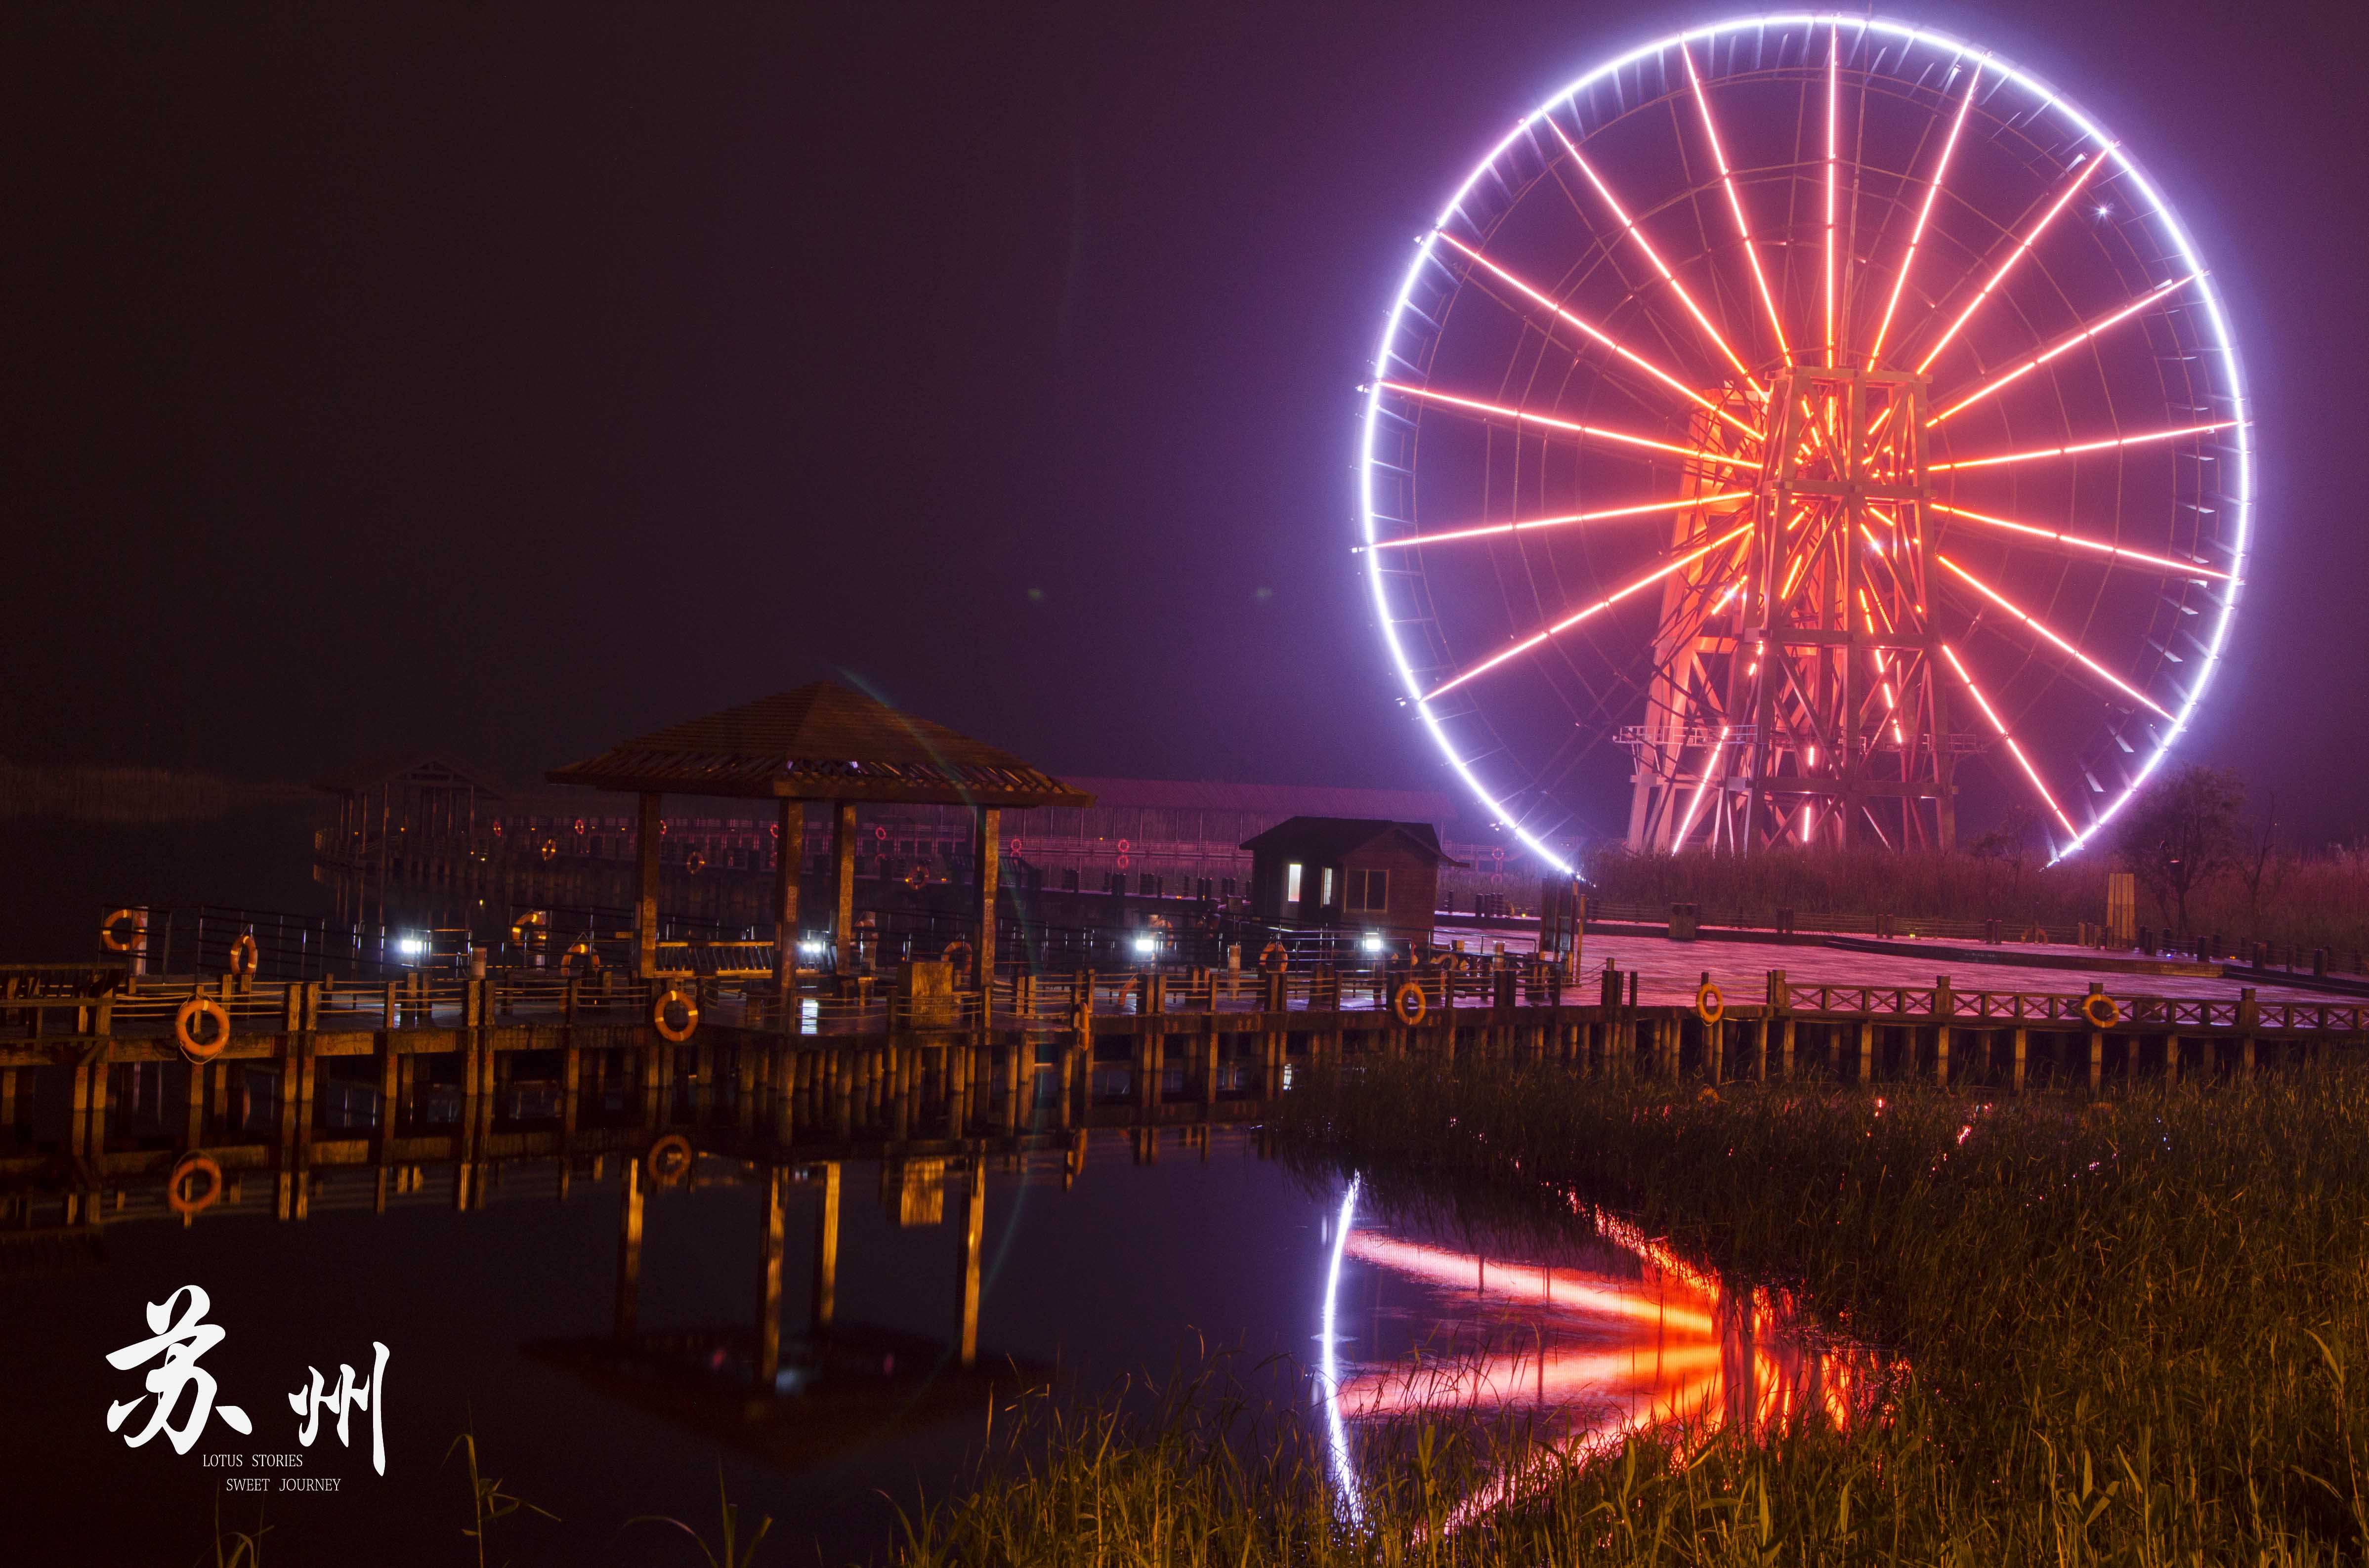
(2301, 901)
(2133, 1332)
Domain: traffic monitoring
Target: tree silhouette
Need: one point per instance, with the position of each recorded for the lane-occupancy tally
(2180, 832)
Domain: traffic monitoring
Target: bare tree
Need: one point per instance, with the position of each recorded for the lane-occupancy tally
(2180, 832)
(2009, 843)
(2261, 864)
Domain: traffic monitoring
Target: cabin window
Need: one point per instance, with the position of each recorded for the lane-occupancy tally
(1324, 899)
(1369, 889)
(1291, 882)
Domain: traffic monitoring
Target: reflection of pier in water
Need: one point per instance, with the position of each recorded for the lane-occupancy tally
(376, 1115)
(790, 1396)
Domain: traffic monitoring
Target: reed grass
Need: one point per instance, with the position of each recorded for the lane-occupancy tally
(2305, 901)
(2126, 1332)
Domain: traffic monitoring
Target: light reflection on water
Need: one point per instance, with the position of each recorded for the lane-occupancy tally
(1576, 1352)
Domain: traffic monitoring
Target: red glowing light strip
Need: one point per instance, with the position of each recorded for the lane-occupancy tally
(1834, 100)
(1526, 643)
(1637, 511)
(2080, 446)
(2022, 246)
(1630, 227)
(2029, 771)
(1735, 205)
(2012, 608)
(2087, 332)
(1687, 825)
(1606, 339)
(1598, 431)
(2183, 568)
(1923, 214)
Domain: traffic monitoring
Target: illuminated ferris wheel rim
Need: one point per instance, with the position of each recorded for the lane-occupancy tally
(2239, 434)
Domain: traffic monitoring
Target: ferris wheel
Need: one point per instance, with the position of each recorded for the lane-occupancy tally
(1793, 429)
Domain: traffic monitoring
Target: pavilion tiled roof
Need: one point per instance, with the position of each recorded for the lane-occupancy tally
(820, 742)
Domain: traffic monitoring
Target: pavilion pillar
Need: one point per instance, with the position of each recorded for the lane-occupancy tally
(987, 823)
(789, 856)
(646, 889)
(842, 859)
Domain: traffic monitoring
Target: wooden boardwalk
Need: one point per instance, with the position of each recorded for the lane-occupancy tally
(95, 1087)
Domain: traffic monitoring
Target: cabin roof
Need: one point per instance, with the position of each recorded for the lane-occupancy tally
(1332, 838)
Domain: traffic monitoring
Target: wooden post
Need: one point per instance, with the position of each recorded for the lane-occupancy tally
(973, 1232)
(629, 1251)
(2020, 1047)
(842, 891)
(825, 1249)
(788, 856)
(195, 1131)
(769, 1282)
(1866, 1051)
(645, 888)
(1944, 1009)
(986, 857)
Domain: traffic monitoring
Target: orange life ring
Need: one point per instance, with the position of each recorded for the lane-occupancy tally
(960, 944)
(580, 827)
(585, 951)
(919, 877)
(667, 1031)
(109, 940)
(179, 1200)
(2100, 1009)
(244, 956)
(671, 1160)
(1407, 1004)
(693, 861)
(1710, 1006)
(550, 848)
(1275, 955)
(186, 1037)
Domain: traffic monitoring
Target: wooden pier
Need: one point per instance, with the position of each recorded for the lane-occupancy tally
(96, 1088)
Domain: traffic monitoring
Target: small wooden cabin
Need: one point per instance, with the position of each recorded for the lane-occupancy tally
(1347, 871)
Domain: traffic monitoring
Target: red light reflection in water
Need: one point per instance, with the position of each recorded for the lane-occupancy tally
(1587, 1357)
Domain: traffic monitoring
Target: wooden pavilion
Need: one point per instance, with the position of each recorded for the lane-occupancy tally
(826, 743)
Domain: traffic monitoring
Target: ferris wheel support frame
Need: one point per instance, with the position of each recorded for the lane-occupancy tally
(1818, 713)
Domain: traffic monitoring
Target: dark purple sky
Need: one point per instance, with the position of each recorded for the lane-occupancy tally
(510, 378)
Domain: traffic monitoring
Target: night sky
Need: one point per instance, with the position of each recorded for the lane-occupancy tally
(508, 379)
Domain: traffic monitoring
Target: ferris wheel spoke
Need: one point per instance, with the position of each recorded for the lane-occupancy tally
(1735, 205)
(2076, 447)
(1606, 339)
(1834, 116)
(2092, 666)
(1629, 226)
(1537, 638)
(1999, 382)
(2098, 546)
(1524, 525)
(1924, 214)
(2022, 249)
(1718, 754)
(2000, 725)
(1596, 432)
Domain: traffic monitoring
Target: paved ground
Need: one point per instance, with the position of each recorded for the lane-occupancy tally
(1670, 970)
